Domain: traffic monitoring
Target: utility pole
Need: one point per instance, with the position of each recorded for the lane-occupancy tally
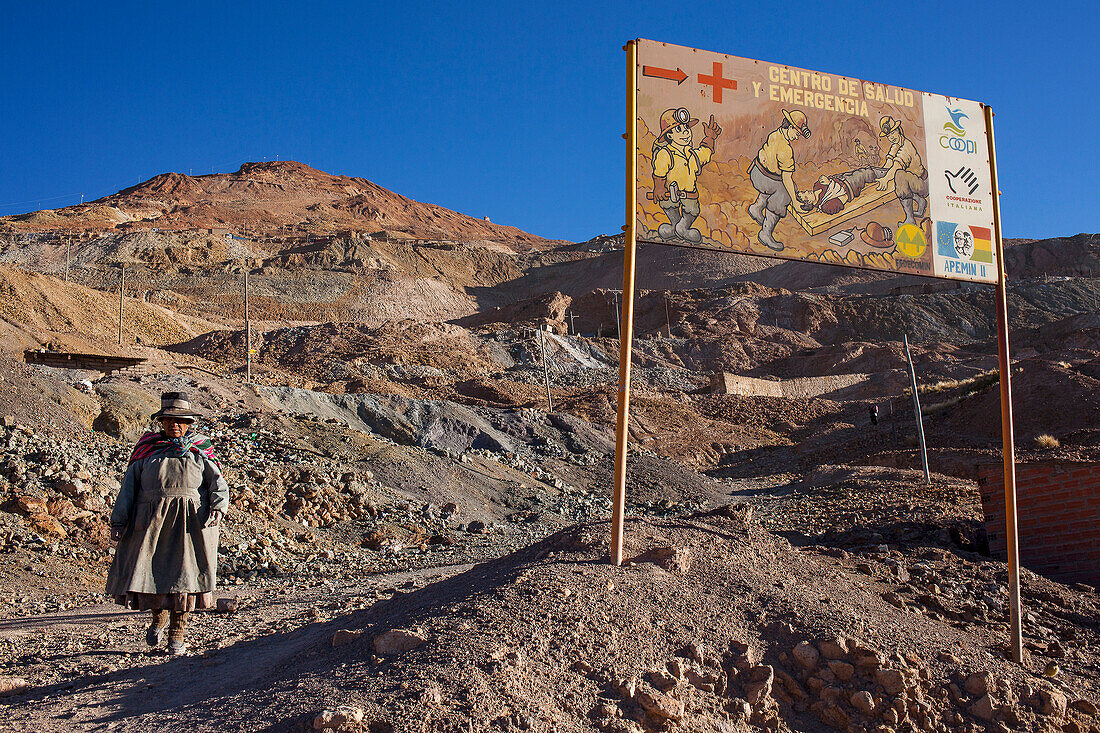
(916, 409)
(247, 334)
(68, 248)
(570, 316)
(615, 301)
(893, 425)
(545, 371)
(121, 294)
(618, 319)
(668, 321)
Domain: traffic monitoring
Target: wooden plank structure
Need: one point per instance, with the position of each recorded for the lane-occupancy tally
(815, 222)
(91, 362)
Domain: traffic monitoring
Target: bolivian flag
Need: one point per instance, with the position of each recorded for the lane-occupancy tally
(983, 247)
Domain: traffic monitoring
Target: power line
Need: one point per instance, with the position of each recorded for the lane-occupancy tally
(40, 199)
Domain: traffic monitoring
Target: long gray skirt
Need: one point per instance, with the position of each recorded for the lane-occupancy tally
(166, 559)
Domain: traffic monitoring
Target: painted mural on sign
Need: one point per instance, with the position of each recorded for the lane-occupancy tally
(761, 158)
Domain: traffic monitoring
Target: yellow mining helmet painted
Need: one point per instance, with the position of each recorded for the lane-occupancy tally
(672, 117)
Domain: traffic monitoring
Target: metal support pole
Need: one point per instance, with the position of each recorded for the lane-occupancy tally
(545, 371)
(618, 503)
(68, 253)
(916, 412)
(121, 293)
(247, 334)
(1016, 641)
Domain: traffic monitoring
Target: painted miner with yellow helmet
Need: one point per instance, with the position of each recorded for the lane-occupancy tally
(906, 169)
(676, 168)
(772, 175)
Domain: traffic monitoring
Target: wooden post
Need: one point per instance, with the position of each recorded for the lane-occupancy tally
(917, 414)
(893, 425)
(68, 248)
(1016, 640)
(545, 371)
(121, 293)
(618, 504)
(618, 320)
(247, 333)
(668, 321)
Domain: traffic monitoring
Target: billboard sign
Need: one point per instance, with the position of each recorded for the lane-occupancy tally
(760, 158)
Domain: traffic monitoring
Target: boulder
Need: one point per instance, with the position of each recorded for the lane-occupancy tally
(1052, 702)
(673, 559)
(397, 641)
(125, 410)
(47, 525)
(61, 508)
(1084, 706)
(831, 715)
(758, 685)
(11, 685)
(659, 704)
(69, 487)
(891, 680)
(344, 716)
(863, 701)
(30, 505)
(834, 648)
(806, 655)
(983, 708)
(979, 683)
(843, 671)
(90, 501)
(344, 636)
(661, 679)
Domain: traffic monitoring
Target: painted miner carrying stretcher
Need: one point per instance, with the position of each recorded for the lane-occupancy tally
(166, 522)
(772, 175)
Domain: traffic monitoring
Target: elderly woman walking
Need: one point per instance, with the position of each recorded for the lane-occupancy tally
(166, 522)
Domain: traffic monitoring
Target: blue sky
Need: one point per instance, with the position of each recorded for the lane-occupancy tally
(509, 110)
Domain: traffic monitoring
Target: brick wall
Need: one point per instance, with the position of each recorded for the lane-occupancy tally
(1057, 517)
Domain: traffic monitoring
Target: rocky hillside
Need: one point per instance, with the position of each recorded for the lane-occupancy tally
(266, 199)
(417, 540)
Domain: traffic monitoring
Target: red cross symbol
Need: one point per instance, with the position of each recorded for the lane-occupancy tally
(715, 80)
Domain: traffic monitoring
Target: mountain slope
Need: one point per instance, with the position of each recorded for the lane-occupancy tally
(269, 199)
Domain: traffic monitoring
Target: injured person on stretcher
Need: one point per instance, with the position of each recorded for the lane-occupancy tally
(831, 193)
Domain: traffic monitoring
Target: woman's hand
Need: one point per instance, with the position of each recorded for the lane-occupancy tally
(214, 519)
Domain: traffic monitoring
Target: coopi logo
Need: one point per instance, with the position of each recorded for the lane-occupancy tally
(956, 139)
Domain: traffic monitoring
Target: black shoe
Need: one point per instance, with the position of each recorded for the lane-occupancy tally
(153, 635)
(176, 647)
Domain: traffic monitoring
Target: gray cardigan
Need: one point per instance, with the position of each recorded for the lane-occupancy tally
(164, 471)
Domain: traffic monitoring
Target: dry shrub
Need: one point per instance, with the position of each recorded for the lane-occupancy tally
(1047, 441)
(972, 384)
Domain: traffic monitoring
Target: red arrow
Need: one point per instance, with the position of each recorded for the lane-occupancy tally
(677, 76)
